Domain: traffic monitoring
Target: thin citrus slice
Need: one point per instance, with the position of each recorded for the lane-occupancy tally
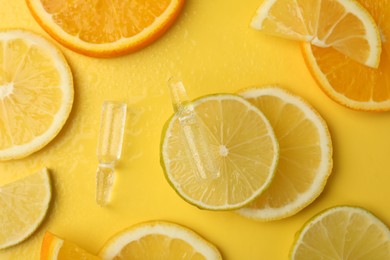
(105, 28)
(36, 93)
(343, 232)
(348, 82)
(23, 206)
(242, 143)
(342, 24)
(158, 240)
(55, 248)
(305, 158)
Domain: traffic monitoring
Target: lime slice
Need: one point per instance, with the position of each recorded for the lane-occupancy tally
(241, 141)
(343, 232)
(23, 205)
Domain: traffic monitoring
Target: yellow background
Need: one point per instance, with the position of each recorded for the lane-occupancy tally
(212, 49)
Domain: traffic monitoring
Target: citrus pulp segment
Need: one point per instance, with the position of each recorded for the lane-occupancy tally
(158, 240)
(105, 28)
(344, 25)
(55, 248)
(348, 82)
(305, 154)
(343, 232)
(241, 141)
(23, 206)
(36, 93)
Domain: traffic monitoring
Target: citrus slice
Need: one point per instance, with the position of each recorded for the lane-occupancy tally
(348, 82)
(242, 143)
(105, 28)
(36, 93)
(343, 25)
(55, 248)
(343, 232)
(305, 157)
(158, 240)
(23, 205)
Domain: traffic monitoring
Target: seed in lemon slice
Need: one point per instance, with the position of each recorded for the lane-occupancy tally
(343, 232)
(344, 25)
(23, 206)
(158, 240)
(105, 28)
(56, 248)
(242, 143)
(348, 82)
(36, 93)
(305, 157)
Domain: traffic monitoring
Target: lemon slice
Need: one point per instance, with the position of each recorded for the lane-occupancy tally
(36, 93)
(23, 205)
(158, 240)
(344, 25)
(242, 143)
(55, 248)
(305, 158)
(343, 232)
(105, 28)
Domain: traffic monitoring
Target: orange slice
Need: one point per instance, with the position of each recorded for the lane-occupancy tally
(55, 248)
(343, 25)
(348, 82)
(105, 28)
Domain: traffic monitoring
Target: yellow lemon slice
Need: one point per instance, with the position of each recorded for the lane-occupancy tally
(305, 158)
(36, 93)
(158, 240)
(23, 205)
(105, 28)
(344, 25)
(349, 83)
(242, 144)
(343, 232)
(55, 248)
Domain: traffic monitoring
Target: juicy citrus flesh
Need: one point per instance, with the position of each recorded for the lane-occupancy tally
(305, 157)
(23, 206)
(242, 143)
(348, 82)
(158, 240)
(36, 93)
(55, 248)
(105, 28)
(343, 25)
(343, 232)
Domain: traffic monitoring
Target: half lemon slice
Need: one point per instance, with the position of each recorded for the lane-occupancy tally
(344, 25)
(23, 206)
